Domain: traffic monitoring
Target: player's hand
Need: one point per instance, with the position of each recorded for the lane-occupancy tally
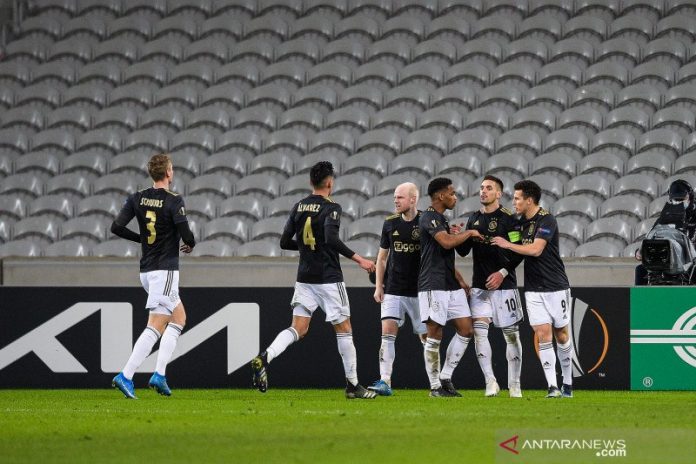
(185, 248)
(379, 294)
(494, 280)
(501, 242)
(466, 287)
(455, 229)
(366, 264)
(474, 234)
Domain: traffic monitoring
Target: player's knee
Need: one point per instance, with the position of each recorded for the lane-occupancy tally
(511, 336)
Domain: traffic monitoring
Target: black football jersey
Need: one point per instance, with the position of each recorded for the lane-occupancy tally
(402, 239)
(309, 222)
(437, 263)
(158, 211)
(546, 272)
(490, 258)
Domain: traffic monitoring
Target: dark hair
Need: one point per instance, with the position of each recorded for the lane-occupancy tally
(158, 165)
(494, 179)
(319, 173)
(680, 190)
(437, 184)
(530, 189)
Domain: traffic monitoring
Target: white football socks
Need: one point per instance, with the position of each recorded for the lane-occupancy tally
(483, 349)
(548, 362)
(347, 350)
(565, 356)
(431, 354)
(455, 351)
(513, 354)
(387, 353)
(141, 349)
(167, 346)
(284, 339)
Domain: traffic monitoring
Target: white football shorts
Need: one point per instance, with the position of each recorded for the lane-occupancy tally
(443, 305)
(332, 298)
(162, 289)
(503, 306)
(548, 308)
(397, 307)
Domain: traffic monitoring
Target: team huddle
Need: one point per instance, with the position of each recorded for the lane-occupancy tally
(415, 275)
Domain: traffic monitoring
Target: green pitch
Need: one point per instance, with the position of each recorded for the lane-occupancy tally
(316, 426)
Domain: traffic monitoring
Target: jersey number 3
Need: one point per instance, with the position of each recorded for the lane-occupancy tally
(152, 216)
(307, 234)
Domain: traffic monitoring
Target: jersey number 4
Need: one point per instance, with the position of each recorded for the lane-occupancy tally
(307, 234)
(152, 217)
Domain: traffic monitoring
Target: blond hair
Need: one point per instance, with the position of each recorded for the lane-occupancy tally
(158, 166)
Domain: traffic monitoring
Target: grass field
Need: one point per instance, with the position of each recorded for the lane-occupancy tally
(317, 426)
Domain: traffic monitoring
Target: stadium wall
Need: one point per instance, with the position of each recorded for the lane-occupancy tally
(254, 272)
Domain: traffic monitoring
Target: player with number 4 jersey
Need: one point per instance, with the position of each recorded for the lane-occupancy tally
(312, 228)
(547, 291)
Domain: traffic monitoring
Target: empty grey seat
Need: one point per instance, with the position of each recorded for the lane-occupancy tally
(163, 51)
(175, 28)
(92, 228)
(359, 28)
(366, 228)
(436, 51)
(589, 184)
(242, 74)
(441, 118)
(213, 248)
(72, 184)
(468, 206)
(68, 248)
(685, 164)
(281, 206)
(226, 96)
(212, 185)
(201, 207)
(151, 139)
(448, 28)
(196, 74)
(579, 207)
(510, 164)
(522, 75)
(618, 50)
(628, 207)
(53, 139)
(367, 162)
(458, 97)
(608, 165)
(268, 229)
(616, 141)
(378, 206)
(304, 164)
(523, 141)
(256, 118)
(642, 96)
(568, 141)
(261, 185)
(264, 248)
(634, 120)
(560, 165)
(596, 96)
(116, 184)
(381, 139)
(480, 140)
(134, 95)
(305, 120)
(148, 72)
(107, 141)
(297, 185)
(363, 96)
(655, 74)
(541, 27)
(471, 74)
(409, 96)
(460, 163)
(278, 161)
(242, 205)
(389, 51)
(367, 248)
(287, 139)
(551, 186)
(168, 120)
(398, 120)
(319, 97)
(182, 96)
(210, 118)
(679, 120)
(353, 185)
(74, 119)
(387, 184)
(570, 230)
(664, 140)
(256, 51)
(200, 139)
(538, 119)
(637, 184)
(99, 205)
(229, 229)
(635, 27)
(430, 142)
(38, 228)
(609, 230)
(55, 206)
(598, 249)
(342, 52)
(20, 248)
(104, 73)
(28, 185)
(652, 163)
(501, 96)
(641, 229)
(12, 207)
(271, 96)
(566, 75)
(414, 164)
(246, 140)
(117, 248)
(334, 140)
(587, 120)
(229, 163)
(355, 120)
(491, 119)
(39, 163)
(24, 117)
(90, 94)
(130, 162)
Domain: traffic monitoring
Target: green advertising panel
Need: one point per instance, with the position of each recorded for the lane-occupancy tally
(663, 338)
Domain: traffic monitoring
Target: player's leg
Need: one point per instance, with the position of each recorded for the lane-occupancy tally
(482, 312)
(154, 283)
(434, 315)
(459, 313)
(540, 320)
(559, 307)
(508, 315)
(170, 335)
(392, 318)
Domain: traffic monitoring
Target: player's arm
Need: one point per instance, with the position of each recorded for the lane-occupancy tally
(380, 268)
(465, 247)
(287, 239)
(449, 241)
(118, 227)
(462, 283)
(511, 259)
(332, 224)
(546, 227)
(182, 226)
